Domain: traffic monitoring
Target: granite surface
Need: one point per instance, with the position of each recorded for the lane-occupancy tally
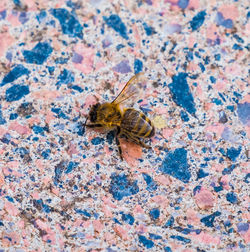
(64, 188)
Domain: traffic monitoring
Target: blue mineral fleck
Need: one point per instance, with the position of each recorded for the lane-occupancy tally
(40, 205)
(138, 65)
(73, 5)
(222, 117)
(201, 174)
(39, 54)
(238, 95)
(5, 140)
(97, 140)
(16, 92)
(79, 129)
(3, 14)
(247, 178)
(219, 188)
(220, 20)
(121, 187)
(197, 189)
(183, 3)
(170, 222)
(155, 236)
(217, 101)
(98, 54)
(146, 242)
(77, 88)
(120, 46)
(69, 22)
(14, 74)
(51, 69)
(148, 29)
(115, 22)
(23, 18)
(38, 129)
(197, 54)
(59, 168)
(22, 151)
(128, 218)
(83, 212)
(243, 110)
(60, 113)
(209, 219)
(17, 3)
(189, 56)
(180, 238)
(154, 213)
(32, 178)
(181, 93)
(202, 67)
(131, 44)
(222, 96)
(197, 20)
(217, 57)
(167, 249)
(2, 120)
(228, 170)
(72, 165)
(233, 153)
(242, 227)
(41, 16)
(232, 197)
(10, 199)
(184, 230)
(46, 208)
(117, 221)
(46, 153)
(123, 67)
(65, 77)
(238, 38)
(184, 116)
(13, 116)
(61, 60)
(151, 185)
(176, 165)
(163, 48)
(237, 47)
(149, 2)
(206, 60)
(77, 58)
(228, 23)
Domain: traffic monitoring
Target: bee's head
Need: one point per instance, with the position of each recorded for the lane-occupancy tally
(93, 112)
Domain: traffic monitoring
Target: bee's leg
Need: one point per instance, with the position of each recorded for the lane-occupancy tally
(118, 131)
(95, 125)
(137, 140)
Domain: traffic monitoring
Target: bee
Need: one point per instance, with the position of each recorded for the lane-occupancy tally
(128, 122)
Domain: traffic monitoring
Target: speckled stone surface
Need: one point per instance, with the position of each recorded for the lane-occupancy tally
(65, 189)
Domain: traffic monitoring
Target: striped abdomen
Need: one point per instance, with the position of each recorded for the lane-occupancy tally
(136, 123)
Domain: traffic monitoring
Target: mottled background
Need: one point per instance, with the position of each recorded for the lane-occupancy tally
(64, 189)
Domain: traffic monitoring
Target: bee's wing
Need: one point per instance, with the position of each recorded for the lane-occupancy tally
(131, 89)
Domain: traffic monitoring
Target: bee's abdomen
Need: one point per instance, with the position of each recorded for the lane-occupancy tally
(137, 123)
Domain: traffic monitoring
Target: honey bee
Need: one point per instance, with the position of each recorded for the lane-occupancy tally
(128, 122)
